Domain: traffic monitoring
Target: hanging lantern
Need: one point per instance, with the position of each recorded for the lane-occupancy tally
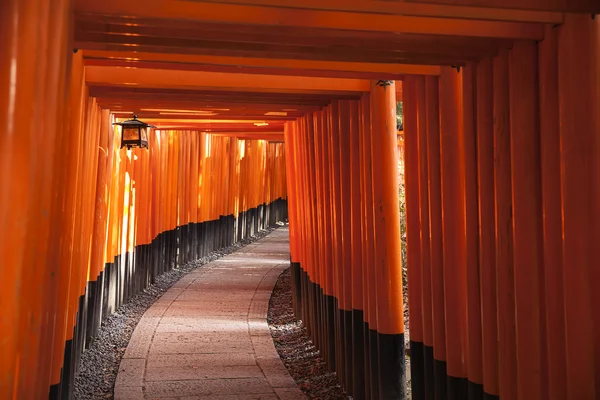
(134, 133)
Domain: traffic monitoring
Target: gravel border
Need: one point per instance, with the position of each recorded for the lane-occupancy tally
(296, 349)
(100, 362)
(298, 352)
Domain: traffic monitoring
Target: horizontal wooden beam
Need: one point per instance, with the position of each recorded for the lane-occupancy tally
(563, 6)
(432, 58)
(218, 129)
(474, 9)
(157, 78)
(250, 65)
(296, 43)
(253, 136)
(307, 18)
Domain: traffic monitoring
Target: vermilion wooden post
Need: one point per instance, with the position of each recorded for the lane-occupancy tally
(302, 148)
(327, 237)
(578, 108)
(307, 150)
(345, 298)
(291, 173)
(413, 91)
(388, 262)
(306, 256)
(337, 216)
(67, 285)
(318, 210)
(473, 348)
(593, 29)
(194, 181)
(504, 231)
(453, 226)
(369, 287)
(527, 221)
(487, 226)
(552, 215)
(307, 259)
(358, 371)
(314, 243)
(423, 275)
(435, 356)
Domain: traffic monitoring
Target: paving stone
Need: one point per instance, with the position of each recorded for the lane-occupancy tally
(275, 372)
(154, 372)
(258, 396)
(290, 394)
(206, 387)
(223, 359)
(131, 372)
(128, 393)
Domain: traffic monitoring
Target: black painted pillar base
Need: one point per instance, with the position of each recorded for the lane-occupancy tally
(392, 367)
(358, 355)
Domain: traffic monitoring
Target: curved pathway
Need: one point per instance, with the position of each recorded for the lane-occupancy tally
(207, 337)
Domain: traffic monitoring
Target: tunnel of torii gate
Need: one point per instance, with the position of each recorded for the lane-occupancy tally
(268, 112)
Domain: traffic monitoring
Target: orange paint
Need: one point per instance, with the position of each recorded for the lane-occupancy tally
(453, 220)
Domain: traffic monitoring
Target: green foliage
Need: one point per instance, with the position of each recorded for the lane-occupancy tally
(403, 234)
(399, 114)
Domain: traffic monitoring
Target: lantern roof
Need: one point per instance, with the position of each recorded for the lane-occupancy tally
(134, 122)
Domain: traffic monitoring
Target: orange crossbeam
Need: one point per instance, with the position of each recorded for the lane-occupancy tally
(418, 9)
(150, 78)
(305, 18)
(249, 64)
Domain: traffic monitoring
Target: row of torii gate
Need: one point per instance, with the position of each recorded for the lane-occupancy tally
(502, 172)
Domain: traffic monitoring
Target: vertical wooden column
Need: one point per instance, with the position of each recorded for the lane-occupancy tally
(301, 216)
(435, 356)
(487, 226)
(388, 263)
(32, 100)
(453, 226)
(313, 244)
(69, 291)
(593, 28)
(345, 297)
(316, 120)
(358, 370)
(334, 148)
(368, 277)
(326, 237)
(527, 221)
(292, 174)
(346, 204)
(504, 231)
(412, 90)
(578, 107)
(308, 229)
(473, 318)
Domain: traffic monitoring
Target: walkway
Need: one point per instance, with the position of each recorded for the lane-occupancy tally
(207, 337)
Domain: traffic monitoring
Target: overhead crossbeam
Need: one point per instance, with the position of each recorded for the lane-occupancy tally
(308, 18)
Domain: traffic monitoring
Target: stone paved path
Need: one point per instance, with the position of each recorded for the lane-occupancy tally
(207, 337)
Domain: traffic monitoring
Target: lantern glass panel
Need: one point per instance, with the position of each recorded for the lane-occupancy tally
(130, 133)
(144, 134)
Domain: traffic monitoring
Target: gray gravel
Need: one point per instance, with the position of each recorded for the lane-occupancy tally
(100, 362)
(296, 349)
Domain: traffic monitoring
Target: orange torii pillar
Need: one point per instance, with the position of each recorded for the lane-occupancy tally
(368, 252)
(388, 264)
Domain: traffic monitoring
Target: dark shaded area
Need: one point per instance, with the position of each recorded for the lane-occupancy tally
(297, 351)
(133, 272)
(431, 381)
(381, 361)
